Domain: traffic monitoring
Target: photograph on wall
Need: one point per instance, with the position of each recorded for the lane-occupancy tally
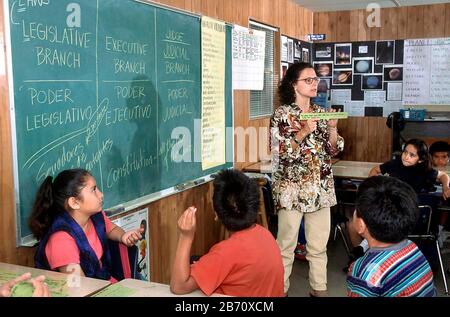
(284, 67)
(393, 72)
(385, 52)
(284, 48)
(323, 69)
(372, 81)
(363, 49)
(323, 52)
(362, 65)
(342, 76)
(290, 58)
(305, 55)
(343, 54)
(324, 86)
(297, 49)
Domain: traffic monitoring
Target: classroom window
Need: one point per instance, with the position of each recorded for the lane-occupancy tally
(261, 101)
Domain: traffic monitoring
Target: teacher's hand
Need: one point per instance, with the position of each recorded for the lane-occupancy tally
(332, 123)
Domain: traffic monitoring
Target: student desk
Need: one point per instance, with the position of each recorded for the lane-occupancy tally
(137, 288)
(54, 280)
(341, 169)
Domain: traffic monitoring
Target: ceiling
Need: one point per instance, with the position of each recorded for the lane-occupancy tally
(339, 5)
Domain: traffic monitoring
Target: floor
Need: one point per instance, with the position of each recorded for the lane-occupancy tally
(337, 259)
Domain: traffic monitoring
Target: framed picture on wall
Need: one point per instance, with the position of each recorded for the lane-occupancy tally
(290, 55)
(297, 49)
(343, 54)
(342, 76)
(305, 55)
(323, 69)
(323, 52)
(372, 81)
(284, 48)
(385, 52)
(393, 72)
(362, 65)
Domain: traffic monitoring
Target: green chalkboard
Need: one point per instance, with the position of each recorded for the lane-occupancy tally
(111, 86)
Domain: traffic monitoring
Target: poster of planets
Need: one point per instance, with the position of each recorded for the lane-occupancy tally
(393, 72)
(343, 54)
(343, 76)
(323, 69)
(372, 81)
(362, 65)
(385, 52)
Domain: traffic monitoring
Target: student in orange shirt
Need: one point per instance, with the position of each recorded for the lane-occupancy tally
(72, 229)
(248, 263)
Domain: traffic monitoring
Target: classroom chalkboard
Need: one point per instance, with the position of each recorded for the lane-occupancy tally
(110, 86)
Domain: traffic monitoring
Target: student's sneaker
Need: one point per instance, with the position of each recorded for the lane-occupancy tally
(300, 252)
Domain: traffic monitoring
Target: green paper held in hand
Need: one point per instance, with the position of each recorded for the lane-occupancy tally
(22, 289)
(323, 115)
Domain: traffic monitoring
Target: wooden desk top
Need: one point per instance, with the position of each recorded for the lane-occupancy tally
(352, 169)
(342, 169)
(58, 282)
(137, 288)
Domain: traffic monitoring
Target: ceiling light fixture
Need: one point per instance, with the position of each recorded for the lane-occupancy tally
(397, 3)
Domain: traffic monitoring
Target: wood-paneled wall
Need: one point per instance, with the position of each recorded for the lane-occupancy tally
(292, 20)
(369, 139)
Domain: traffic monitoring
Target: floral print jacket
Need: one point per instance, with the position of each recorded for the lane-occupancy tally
(302, 178)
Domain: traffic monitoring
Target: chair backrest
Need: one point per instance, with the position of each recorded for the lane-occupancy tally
(424, 221)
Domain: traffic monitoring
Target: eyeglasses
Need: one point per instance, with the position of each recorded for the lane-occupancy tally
(310, 80)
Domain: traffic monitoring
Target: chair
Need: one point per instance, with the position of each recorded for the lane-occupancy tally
(423, 231)
(345, 195)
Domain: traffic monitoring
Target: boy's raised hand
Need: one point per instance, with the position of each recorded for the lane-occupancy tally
(130, 238)
(187, 222)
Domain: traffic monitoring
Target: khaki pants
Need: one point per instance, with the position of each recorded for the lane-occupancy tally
(317, 231)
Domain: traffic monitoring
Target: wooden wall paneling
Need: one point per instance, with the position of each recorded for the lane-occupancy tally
(237, 11)
(402, 22)
(241, 119)
(194, 6)
(180, 4)
(354, 23)
(389, 24)
(374, 33)
(256, 10)
(322, 25)
(213, 8)
(269, 12)
(342, 26)
(308, 17)
(300, 22)
(447, 20)
(363, 29)
(379, 140)
(415, 25)
(434, 20)
(361, 139)
(289, 23)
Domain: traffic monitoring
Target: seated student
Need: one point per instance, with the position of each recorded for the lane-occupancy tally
(40, 287)
(386, 212)
(248, 263)
(413, 167)
(439, 152)
(72, 229)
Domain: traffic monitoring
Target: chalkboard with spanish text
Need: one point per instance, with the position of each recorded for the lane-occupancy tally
(111, 86)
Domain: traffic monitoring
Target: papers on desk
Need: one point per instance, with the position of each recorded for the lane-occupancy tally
(116, 290)
(58, 288)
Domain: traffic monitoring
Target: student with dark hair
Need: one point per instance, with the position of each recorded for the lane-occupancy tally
(439, 152)
(414, 168)
(386, 212)
(248, 263)
(72, 229)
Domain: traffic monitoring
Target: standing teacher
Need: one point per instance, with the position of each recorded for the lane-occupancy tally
(302, 178)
